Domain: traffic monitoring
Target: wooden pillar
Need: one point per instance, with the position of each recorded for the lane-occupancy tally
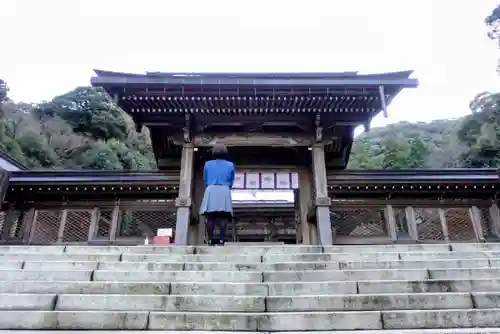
(444, 224)
(29, 219)
(313, 234)
(183, 201)
(199, 189)
(390, 221)
(412, 223)
(115, 221)
(304, 197)
(322, 201)
(495, 219)
(475, 217)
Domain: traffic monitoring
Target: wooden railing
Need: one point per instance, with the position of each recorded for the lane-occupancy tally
(117, 222)
(388, 221)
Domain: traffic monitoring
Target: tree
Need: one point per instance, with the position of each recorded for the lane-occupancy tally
(4, 89)
(89, 111)
(492, 21)
(480, 132)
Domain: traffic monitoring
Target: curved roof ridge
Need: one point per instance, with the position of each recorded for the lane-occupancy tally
(268, 75)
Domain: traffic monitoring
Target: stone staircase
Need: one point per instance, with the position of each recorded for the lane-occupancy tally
(400, 289)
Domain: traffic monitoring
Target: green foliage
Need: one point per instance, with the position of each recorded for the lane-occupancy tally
(82, 129)
(4, 89)
(408, 145)
(89, 111)
(492, 22)
(480, 132)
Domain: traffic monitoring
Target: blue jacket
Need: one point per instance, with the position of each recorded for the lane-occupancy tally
(219, 172)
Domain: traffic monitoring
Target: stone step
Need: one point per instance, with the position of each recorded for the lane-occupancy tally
(219, 303)
(245, 248)
(293, 266)
(257, 289)
(382, 331)
(431, 285)
(474, 247)
(249, 258)
(266, 322)
(199, 303)
(45, 275)
(464, 273)
(346, 275)
(449, 255)
(178, 276)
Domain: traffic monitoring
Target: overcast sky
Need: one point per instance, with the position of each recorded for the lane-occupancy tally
(50, 46)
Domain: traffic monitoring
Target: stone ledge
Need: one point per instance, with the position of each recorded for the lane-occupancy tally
(250, 289)
(416, 319)
(382, 331)
(373, 302)
(200, 303)
(245, 266)
(45, 275)
(88, 320)
(265, 321)
(178, 276)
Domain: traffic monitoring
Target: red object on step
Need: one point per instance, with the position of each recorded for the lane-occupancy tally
(162, 240)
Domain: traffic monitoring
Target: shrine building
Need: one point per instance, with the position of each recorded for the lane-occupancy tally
(285, 132)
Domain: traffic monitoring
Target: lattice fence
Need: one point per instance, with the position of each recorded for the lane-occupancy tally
(69, 225)
(459, 223)
(144, 222)
(77, 225)
(428, 224)
(359, 222)
(47, 225)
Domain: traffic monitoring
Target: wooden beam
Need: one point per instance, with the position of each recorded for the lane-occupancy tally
(390, 220)
(444, 224)
(322, 201)
(475, 217)
(183, 201)
(412, 224)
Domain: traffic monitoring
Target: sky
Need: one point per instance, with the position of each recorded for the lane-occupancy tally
(48, 47)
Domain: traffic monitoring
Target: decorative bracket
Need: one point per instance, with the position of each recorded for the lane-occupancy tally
(367, 125)
(323, 201)
(183, 202)
(187, 128)
(319, 128)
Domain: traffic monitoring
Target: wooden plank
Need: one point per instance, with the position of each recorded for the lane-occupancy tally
(115, 215)
(185, 193)
(390, 221)
(475, 217)
(444, 224)
(320, 185)
(94, 221)
(412, 224)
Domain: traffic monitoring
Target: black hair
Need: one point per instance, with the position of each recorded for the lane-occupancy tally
(219, 151)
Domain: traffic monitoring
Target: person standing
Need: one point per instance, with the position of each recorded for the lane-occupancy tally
(217, 205)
